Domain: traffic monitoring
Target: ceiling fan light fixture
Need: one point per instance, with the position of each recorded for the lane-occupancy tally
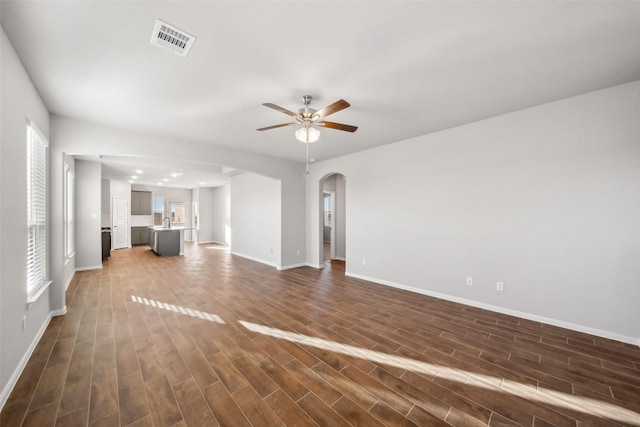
(307, 134)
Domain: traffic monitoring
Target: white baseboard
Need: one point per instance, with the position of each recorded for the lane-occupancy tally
(23, 362)
(289, 267)
(215, 242)
(95, 267)
(339, 258)
(503, 310)
(66, 285)
(60, 312)
(255, 259)
(318, 266)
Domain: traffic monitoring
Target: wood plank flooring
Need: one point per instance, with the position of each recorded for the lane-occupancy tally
(213, 339)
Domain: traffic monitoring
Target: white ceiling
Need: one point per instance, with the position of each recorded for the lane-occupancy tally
(407, 68)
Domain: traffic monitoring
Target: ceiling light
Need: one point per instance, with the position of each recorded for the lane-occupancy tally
(202, 183)
(134, 177)
(130, 181)
(159, 183)
(165, 179)
(139, 172)
(307, 134)
(176, 174)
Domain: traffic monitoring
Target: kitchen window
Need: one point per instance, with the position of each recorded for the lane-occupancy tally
(37, 280)
(158, 210)
(177, 212)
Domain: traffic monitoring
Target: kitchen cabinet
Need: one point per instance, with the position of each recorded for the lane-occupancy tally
(140, 203)
(139, 236)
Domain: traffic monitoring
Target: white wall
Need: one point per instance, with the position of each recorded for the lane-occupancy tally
(19, 100)
(545, 200)
(88, 216)
(256, 218)
(215, 212)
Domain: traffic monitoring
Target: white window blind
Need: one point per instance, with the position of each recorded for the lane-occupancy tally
(36, 210)
(69, 205)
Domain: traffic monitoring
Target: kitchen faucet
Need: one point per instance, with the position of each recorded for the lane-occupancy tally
(168, 221)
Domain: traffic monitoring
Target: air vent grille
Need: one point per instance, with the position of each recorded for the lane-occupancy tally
(172, 39)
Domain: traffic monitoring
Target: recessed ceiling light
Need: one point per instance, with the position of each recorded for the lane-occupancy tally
(312, 160)
(166, 179)
(130, 181)
(159, 183)
(134, 177)
(139, 171)
(202, 183)
(176, 174)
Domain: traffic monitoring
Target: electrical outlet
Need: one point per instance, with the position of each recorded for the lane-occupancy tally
(469, 281)
(500, 286)
(270, 250)
(298, 252)
(364, 261)
(24, 322)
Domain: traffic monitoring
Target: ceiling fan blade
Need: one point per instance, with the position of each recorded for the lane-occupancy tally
(278, 108)
(340, 104)
(339, 126)
(278, 126)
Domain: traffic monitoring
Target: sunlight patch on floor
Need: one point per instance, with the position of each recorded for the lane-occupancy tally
(178, 309)
(542, 395)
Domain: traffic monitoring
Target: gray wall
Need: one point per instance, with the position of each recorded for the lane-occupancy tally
(88, 217)
(545, 200)
(19, 100)
(256, 218)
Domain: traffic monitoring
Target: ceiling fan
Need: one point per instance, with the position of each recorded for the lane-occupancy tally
(308, 118)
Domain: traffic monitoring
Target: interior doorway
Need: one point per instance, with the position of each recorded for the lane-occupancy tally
(328, 228)
(332, 215)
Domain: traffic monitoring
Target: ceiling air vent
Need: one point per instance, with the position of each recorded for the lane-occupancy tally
(172, 39)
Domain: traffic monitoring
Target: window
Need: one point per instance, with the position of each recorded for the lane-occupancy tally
(177, 212)
(36, 213)
(328, 209)
(69, 204)
(158, 210)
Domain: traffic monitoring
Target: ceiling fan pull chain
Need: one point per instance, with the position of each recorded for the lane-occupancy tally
(307, 153)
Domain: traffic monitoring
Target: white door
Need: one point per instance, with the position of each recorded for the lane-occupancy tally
(120, 223)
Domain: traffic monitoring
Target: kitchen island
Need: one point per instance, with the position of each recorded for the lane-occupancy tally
(167, 241)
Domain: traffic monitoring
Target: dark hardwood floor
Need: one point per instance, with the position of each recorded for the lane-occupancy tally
(213, 339)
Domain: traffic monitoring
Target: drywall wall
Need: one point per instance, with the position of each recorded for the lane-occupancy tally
(215, 211)
(20, 101)
(222, 214)
(88, 217)
(256, 218)
(545, 200)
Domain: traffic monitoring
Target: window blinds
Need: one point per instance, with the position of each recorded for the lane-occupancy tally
(36, 209)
